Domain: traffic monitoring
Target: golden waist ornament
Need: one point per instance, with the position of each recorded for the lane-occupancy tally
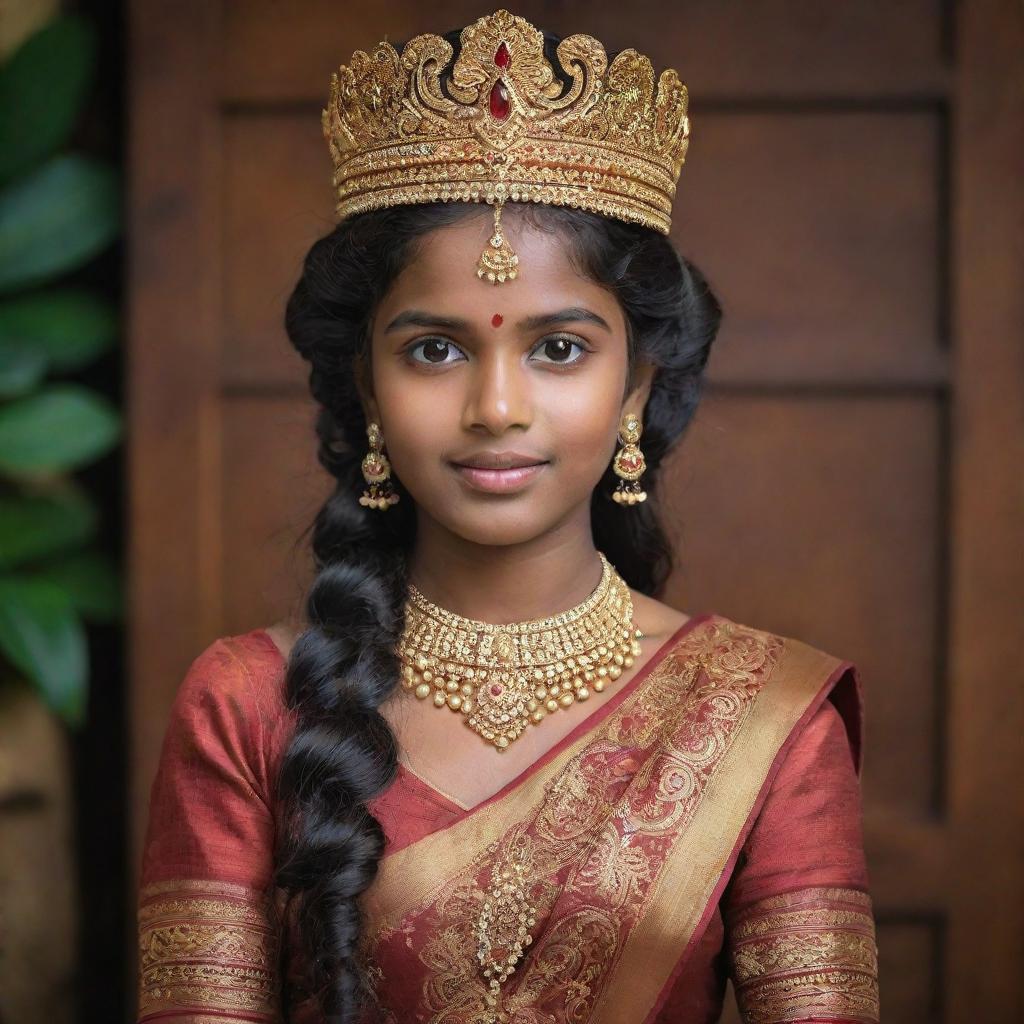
(502, 678)
(503, 126)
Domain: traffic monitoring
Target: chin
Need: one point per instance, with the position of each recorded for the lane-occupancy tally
(499, 529)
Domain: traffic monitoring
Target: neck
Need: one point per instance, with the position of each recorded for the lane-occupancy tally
(506, 583)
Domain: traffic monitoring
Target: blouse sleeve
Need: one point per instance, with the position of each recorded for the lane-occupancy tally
(800, 933)
(208, 945)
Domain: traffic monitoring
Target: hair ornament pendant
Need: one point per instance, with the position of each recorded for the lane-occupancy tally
(377, 473)
(629, 463)
(498, 262)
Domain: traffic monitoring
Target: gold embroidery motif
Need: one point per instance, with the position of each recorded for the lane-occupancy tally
(806, 954)
(598, 840)
(206, 946)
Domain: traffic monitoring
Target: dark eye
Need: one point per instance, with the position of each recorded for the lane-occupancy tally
(435, 351)
(559, 350)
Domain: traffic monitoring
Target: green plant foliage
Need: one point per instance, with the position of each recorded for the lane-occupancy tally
(41, 636)
(40, 526)
(58, 211)
(21, 367)
(67, 328)
(91, 582)
(42, 87)
(56, 219)
(58, 429)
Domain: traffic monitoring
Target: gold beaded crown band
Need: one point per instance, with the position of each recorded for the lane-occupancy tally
(612, 140)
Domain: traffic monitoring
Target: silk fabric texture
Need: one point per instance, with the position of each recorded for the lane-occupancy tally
(703, 823)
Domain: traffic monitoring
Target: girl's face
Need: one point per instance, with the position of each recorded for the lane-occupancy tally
(463, 369)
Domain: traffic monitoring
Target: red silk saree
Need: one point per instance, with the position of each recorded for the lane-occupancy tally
(702, 824)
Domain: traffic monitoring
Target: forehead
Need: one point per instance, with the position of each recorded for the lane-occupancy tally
(441, 275)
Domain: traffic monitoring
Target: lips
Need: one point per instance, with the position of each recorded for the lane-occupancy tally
(494, 472)
(499, 460)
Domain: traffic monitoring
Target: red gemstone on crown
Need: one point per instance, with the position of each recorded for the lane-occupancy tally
(499, 102)
(497, 690)
(501, 56)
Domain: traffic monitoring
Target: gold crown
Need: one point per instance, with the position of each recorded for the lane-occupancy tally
(507, 129)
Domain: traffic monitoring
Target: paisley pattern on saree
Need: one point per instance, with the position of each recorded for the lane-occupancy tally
(206, 946)
(592, 848)
(806, 955)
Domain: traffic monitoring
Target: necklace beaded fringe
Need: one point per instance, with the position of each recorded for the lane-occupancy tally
(502, 678)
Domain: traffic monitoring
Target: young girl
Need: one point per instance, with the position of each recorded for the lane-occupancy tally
(492, 777)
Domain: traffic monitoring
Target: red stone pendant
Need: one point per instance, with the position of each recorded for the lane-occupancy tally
(499, 101)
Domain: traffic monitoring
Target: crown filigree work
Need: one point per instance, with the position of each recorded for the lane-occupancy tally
(504, 127)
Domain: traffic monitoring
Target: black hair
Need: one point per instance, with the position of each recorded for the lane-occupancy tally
(344, 664)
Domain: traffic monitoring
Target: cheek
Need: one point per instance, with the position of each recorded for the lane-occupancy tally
(415, 422)
(583, 426)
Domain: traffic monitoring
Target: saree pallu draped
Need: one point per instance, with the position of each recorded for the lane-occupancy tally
(701, 824)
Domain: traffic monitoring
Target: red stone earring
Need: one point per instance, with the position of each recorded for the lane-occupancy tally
(377, 473)
(629, 463)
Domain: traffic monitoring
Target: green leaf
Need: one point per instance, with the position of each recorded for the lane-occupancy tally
(42, 87)
(60, 428)
(68, 327)
(39, 526)
(41, 635)
(56, 220)
(22, 367)
(90, 581)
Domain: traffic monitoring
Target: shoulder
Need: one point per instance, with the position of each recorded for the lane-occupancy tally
(654, 618)
(823, 690)
(786, 655)
(237, 678)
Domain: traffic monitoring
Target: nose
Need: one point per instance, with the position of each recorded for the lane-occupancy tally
(499, 393)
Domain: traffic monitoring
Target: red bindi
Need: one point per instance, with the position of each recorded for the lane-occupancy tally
(497, 320)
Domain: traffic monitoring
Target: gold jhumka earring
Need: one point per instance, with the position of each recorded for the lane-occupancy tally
(629, 463)
(377, 473)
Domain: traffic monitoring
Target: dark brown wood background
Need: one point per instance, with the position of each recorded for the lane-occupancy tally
(853, 191)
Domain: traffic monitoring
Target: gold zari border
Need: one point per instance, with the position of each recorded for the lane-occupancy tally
(810, 953)
(206, 947)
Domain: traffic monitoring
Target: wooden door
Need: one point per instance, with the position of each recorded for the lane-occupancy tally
(853, 191)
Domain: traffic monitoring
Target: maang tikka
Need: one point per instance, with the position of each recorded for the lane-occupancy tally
(377, 473)
(629, 463)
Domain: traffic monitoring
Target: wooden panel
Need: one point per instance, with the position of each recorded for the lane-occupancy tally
(986, 936)
(175, 219)
(817, 517)
(909, 969)
(755, 48)
(834, 280)
(277, 202)
(273, 487)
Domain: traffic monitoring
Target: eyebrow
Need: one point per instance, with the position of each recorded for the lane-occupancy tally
(421, 318)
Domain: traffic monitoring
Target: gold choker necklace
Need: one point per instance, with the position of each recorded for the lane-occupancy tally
(502, 678)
